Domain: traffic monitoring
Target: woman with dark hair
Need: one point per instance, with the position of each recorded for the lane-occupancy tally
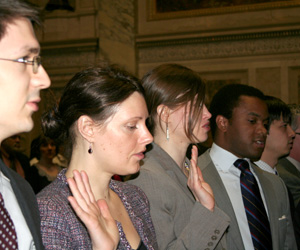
(101, 116)
(43, 170)
(182, 203)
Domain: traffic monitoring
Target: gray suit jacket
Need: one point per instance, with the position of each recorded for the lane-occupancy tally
(291, 176)
(27, 202)
(276, 197)
(180, 222)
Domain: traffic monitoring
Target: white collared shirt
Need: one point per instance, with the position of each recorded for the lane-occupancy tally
(266, 167)
(25, 240)
(230, 175)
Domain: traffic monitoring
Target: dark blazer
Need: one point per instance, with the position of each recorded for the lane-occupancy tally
(180, 222)
(276, 197)
(291, 176)
(27, 202)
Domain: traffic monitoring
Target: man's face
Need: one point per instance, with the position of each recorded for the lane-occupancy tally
(296, 146)
(280, 138)
(19, 86)
(12, 144)
(246, 130)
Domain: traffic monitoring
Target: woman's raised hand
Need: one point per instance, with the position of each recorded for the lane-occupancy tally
(101, 226)
(200, 189)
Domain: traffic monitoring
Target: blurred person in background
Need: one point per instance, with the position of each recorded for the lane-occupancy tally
(44, 170)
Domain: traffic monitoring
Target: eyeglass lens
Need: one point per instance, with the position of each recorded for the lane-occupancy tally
(36, 64)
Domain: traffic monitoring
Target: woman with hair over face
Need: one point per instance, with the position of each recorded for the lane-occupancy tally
(101, 114)
(182, 204)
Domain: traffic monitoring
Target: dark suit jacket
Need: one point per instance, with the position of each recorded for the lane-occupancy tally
(276, 197)
(291, 176)
(27, 202)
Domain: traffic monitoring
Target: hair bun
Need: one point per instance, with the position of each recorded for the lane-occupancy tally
(53, 126)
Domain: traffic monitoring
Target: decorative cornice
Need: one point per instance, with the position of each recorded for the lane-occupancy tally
(69, 14)
(221, 48)
(77, 45)
(159, 42)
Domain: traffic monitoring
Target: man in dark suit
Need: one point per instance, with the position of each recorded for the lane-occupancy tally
(239, 128)
(280, 136)
(21, 79)
(289, 170)
(11, 155)
(289, 167)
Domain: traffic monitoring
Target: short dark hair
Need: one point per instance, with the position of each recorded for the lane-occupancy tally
(174, 85)
(277, 108)
(95, 92)
(227, 98)
(36, 143)
(295, 110)
(10, 10)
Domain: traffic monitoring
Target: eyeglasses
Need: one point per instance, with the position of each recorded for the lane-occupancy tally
(36, 62)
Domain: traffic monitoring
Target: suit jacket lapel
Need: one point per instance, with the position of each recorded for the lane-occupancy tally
(172, 169)
(211, 176)
(268, 190)
(290, 167)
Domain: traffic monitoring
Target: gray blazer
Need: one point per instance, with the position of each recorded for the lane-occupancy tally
(179, 221)
(27, 202)
(291, 176)
(276, 197)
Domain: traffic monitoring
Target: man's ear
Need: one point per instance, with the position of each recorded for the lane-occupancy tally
(164, 112)
(86, 127)
(222, 123)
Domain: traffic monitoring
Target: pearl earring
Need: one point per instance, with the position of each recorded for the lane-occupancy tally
(167, 131)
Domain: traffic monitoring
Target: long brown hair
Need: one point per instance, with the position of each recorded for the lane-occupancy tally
(174, 86)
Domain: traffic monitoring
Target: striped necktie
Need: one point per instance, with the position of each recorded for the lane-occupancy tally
(254, 207)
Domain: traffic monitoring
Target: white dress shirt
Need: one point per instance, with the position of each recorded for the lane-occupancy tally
(230, 175)
(25, 240)
(266, 167)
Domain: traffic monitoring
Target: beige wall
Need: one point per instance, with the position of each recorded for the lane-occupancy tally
(255, 45)
(259, 47)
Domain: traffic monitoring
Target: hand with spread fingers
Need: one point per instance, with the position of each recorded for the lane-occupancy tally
(94, 214)
(200, 189)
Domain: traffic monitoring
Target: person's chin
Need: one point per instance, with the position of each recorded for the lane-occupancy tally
(135, 169)
(26, 126)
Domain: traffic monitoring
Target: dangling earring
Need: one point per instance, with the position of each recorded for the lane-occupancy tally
(167, 131)
(90, 150)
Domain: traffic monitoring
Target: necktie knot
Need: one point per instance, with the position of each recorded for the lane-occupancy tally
(241, 164)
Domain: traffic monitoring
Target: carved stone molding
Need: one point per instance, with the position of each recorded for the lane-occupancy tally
(183, 38)
(221, 47)
(76, 45)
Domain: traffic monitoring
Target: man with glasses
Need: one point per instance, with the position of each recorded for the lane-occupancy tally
(21, 79)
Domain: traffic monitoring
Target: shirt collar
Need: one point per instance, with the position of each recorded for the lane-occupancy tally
(266, 167)
(222, 158)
